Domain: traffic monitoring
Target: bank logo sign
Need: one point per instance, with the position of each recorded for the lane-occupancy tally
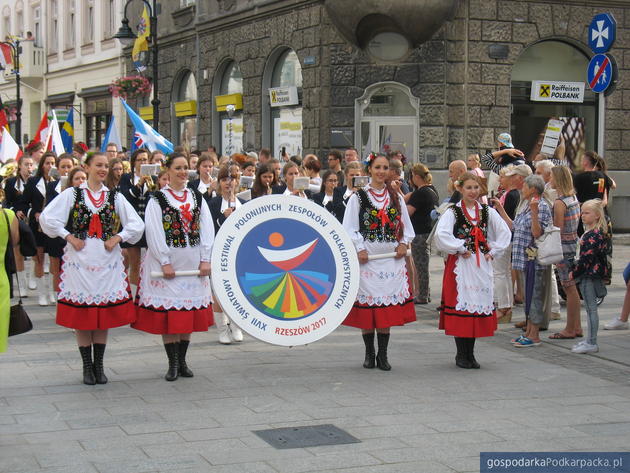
(283, 96)
(284, 270)
(553, 91)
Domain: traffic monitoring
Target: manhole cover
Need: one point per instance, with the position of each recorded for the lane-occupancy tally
(306, 436)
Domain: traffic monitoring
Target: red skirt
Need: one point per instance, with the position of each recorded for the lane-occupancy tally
(458, 323)
(370, 317)
(163, 321)
(95, 317)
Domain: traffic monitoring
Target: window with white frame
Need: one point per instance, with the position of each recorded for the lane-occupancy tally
(70, 26)
(88, 21)
(109, 18)
(53, 40)
(19, 19)
(6, 21)
(36, 28)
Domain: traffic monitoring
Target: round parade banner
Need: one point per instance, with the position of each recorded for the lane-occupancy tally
(285, 270)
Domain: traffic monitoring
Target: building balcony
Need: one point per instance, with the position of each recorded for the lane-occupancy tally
(32, 62)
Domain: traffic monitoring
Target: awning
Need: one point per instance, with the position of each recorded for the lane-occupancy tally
(64, 98)
(97, 91)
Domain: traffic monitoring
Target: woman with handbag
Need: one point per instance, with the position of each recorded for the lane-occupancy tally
(566, 216)
(533, 217)
(35, 198)
(94, 293)
(8, 233)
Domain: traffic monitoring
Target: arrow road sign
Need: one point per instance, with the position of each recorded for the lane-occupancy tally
(602, 32)
(600, 73)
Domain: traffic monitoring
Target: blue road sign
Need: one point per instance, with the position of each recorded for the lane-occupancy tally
(600, 72)
(602, 32)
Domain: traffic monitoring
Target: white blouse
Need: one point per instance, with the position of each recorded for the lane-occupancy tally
(156, 238)
(54, 218)
(351, 219)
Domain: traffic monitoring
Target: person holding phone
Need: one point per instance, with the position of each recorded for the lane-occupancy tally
(179, 237)
(264, 181)
(290, 171)
(204, 183)
(137, 189)
(94, 294)
(34, 198)
(377, 221)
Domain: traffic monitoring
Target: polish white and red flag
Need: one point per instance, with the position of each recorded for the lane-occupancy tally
(9, 149)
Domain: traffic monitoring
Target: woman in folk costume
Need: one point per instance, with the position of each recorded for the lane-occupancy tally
(377, 221)
(180, 235)
(94, 294)
(472, 234)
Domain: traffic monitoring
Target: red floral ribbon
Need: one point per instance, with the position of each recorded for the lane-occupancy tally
(186, 215)
(95, 229)
(477, 233)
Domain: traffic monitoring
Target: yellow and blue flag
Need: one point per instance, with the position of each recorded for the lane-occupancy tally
(67, 132)
(141, 45)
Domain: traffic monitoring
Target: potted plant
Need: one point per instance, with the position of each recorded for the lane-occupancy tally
(130, 87)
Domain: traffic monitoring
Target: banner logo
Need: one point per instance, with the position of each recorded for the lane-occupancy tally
(284, 270)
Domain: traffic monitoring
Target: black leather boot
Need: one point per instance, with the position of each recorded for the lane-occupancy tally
(461, 359)
(99, 371)
(88, 367)
(184, 371)
(368, 339)
(471, 353)
(381, 356)
(172, 351)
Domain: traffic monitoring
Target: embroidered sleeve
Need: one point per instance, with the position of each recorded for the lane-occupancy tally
(444, 238)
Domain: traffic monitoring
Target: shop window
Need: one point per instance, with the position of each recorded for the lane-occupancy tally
(97, 117)
(282, 109)
(552, 61)
(228, 90)
(185, 111)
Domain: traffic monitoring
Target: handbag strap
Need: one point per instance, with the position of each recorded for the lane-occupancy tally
(10, 248)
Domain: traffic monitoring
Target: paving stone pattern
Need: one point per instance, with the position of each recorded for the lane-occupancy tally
(425, 415)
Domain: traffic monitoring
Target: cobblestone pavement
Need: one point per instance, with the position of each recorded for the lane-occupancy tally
(425, 415)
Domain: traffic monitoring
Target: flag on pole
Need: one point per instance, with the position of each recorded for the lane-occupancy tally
(111, 136)
(6, 55)
(141, 45)
(54, 141)
(145, 136)
(42, 132)
(67, 132)
(9, 149)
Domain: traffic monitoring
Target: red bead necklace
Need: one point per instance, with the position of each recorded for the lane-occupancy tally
(382, 197)
(179, 199)
(97, 202)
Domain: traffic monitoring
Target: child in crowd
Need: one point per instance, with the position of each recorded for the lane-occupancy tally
(591, 270)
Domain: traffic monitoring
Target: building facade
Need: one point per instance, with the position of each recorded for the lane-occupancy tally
(433, 79)
(67, 62)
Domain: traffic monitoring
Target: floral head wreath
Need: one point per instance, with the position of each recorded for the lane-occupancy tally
(368, 160)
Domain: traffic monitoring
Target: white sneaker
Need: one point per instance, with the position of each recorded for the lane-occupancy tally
(235, 332)
(32, 283)
(52, 296)
(222, 327)
(21, 279)
(616, 324)
(42, 299)
(578, 344)
(585, 348)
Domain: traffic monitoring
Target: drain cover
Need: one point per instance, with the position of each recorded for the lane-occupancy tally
(306, 436)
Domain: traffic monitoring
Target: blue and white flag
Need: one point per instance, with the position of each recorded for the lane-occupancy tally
(145, 136)
(111, 136)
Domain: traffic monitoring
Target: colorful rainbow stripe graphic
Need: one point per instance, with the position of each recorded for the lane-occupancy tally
(291, 293)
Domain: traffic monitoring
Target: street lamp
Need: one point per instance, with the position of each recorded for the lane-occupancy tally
(15, 55)
(127, 37)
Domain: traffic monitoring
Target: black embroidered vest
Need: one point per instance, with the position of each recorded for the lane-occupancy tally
(173, 225)
(80, 216)
(463, 227)
(370, 224)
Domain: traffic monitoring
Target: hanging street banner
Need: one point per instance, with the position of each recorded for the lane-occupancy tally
(554, 91)
(602, 32)
(284, 270)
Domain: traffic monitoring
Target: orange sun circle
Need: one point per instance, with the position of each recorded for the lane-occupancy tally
(276, 239)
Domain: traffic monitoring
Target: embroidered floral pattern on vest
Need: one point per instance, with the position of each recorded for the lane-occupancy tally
(463, 228)
(174, 227)
(80, 217)
(375, 225)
